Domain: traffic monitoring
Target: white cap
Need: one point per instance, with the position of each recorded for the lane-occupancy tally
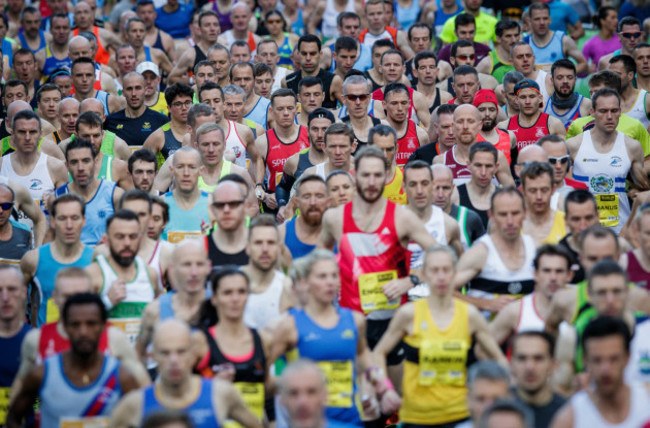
(147, 66)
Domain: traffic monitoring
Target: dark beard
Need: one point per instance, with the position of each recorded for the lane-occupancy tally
(122, 261)
(489, 127)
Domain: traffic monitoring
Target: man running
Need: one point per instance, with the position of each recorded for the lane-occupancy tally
(543, 223)
(564, 103)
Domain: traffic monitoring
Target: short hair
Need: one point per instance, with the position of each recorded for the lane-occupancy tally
(12, 83)
(382, 43)
(628, 20)
(135, 195)
(338, 172)
(534, 170)
(209, 127)
(489, 370)
(176, 90)
(241, 44)
(203, 63)
(446, 109)
(121, 48)
(208, 86)
(205, 13)
(640, 46)
(308, 82)
(233, 90)
(513, 77)
(165, 417)
(144, 155)
(356, 80)
(370, 151)
(579, 196)
(463, 19)
(507, 406)
(544, 336)
(345, 42)
(30, 10)
(131, 20)
(309, 38)
(66, 198)
(538, 6)
(346, 15)
(241, 64)
(465, 70)
(604, 326)
(383, 131)
(157, 200)
(422, 56)
(604, 92)
(340, 128)
(72, 272)
(88, 35)
(260, 69)
(549, 250)
(508, 190)
(235, 178)
(88, 118)
(125, 215)
(563, 63)
(306, 178)
(605, 267)
(391, 52)
(607, 78)
(419, 25)
(417, 164)
(81, 60)
(218, 47)
(198, 110)
(282, 93)
(395, 87)
(301, 364)
(80, 143)
(483, 146)
(460, 44)
(550, 138)
(628, 62)
(517, 44)
(25, 115)
(47, 87)
(262, 220)
(598, 232)
(84, 299)
(506, 24)
(267, 42)
(8, 188)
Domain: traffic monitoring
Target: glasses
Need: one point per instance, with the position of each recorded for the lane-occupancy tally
(632, 35)
(186, 104)
(562, 159)
(6, 206)
(231, 204)
(353, 98)
(466, 57)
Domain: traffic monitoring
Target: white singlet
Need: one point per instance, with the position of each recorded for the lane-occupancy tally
(328, 28)
(370, 39)
(436, 228)
(586, 415)
(235, 143)
(262, 308)
(541, 81)
(320, 170)
(638, 111)
(638, 369)
(529, 318)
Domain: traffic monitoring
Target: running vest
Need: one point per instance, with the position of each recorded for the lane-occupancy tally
(407, 16)
(230, 39)
(433, 387)
(587, 415)
(52, 63)
(6, 147)
(221, 258)
(278, 153)
(105, 169)
(199, 56)
(393, 191)
(407, 144)
(461, 171)
(367, 261)
(325, 76)
(503, 145)
(293, 243)
(250, 370)
(259, 112)
(558, 230)
(303, 162)
(262, 308)
(546, 55)
(369, 39)
(337, 360)
(285, 51)
(50, 342)
(170, 146)
(436, 228)
(361, 142)
(605, 174)
(499, 67)
(567, 118)
(528, 136)
(108, 143)
(636, 273)
(225, 170)
(102, 96)
(140, 291)
(24, 44)
(235, 143)
(541, 81)
(185, 224)
(638, 110)
(9, 364)
(330, 15)
(102, 56)
(224, 18)
(436, 101)
(98, 210)
(202, 411)
(466, 201)
(44, 277)
(65, 405)
(529, 318)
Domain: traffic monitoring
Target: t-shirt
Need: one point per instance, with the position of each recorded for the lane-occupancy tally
(544, 414)
(628, 9)
(626, 124)
(596, 48)
(135, 130)
(481, 50)
(176, 24)
(484, 29)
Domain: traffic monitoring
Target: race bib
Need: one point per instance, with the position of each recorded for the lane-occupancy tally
(442, 362)
(370, 293)
(4, 404)
(253, 396)
(134, 148)
(84, 423)
(52, 311)
(176, 237)
(608, 209)
(130, 327)
(339, 375)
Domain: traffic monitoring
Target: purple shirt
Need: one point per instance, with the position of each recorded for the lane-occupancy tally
(480, 49)
(595, 48)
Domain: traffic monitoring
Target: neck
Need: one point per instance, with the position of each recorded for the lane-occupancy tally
(187, 197)
(540, 218)
(504, 54)
(606, 34)
(312, 74)
(489, 134)
(178, 391)
(231, 327)
(309, 228)
(481, 191)
(530, 119)
(84, 362)
(86, 191)
(27, 157)
(619, 399)
(537, 398)
(6, 230)
(368, 207)
(532, 75)
(474, 13)
(285, 132)
(178, 125)
(257, 275)
(151, 99)
(426, 89)
(543, 38)
(204, 45)
(423, 214)
(137, 112)
(232, 237)
(189, 300)
(642, 81)
(315, 307)
(67, 250)
(440, 303)
(461, 151)
(64, 134)
(604, 137)
(629, 92)
(360, 122)
(399, 127)
(542, 303)
(240, 34)
(9, 327)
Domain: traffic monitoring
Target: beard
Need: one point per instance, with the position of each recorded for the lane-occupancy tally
(124, 261)
(368, 198)
(489, 126)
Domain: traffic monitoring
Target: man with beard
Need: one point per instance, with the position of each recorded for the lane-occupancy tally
(301, 234)
(339, 146)
(135, 34)
(544, 224)
(55, 55)
(310, 96)
(635, 103)
(143, 167)
(504, 141)
(425, 70)
(356, 99)
(382, 276)
(441, 132)
(629, 34)
(641, 55)
(82, 384)
(111, 273)
(153, 98)
(565, 104)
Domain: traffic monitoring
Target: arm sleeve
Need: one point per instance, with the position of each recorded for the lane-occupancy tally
(283, 190)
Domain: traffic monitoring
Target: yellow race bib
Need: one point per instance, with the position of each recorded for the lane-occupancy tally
(442, 362)
(4, 404)
(253, 395)
(608, 209)
(371, 294)
(84, 423)
(340, 386)
(176, 237)
(52, 311)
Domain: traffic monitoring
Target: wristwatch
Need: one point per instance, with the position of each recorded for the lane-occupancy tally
(415, 280)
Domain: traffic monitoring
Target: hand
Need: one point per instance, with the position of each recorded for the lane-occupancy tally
(204, 227)
(390, 402)
(396, 288)
(270, 201)
(117, 292)
(280, 217)
(495, 305)
(371, 408)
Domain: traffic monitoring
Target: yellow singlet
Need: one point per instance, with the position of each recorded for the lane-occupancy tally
(393, 191)
(558, 231)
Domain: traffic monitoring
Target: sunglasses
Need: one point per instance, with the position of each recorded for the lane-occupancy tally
(466, 57)
(562, 159)
(230, 204)
(353, 98)
(6, 206)
(632, 35)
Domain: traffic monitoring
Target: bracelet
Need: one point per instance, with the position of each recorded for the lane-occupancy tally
(389, 384)
(107, 302)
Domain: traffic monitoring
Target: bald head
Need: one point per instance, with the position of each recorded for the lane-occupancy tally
(79, 46)
(189, 246)
(441, 172)
(467, 124)
(15, 107)
(80, 6)
(465, 109)
(227, 187)
(94, 105)
(171, 329)
(190, 267)
(242, 6)
(78, 42)
(533, 153)
(69, 103)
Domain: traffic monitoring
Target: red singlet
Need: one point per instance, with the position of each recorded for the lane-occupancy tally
(461, 171)
(503, 145)
(52, 343)
(279, 152)
(528, 136)
(407, 144)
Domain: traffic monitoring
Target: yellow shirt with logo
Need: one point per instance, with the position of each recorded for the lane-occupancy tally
(393, 191)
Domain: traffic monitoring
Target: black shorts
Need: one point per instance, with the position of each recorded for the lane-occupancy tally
(374, 330)
(445, 425)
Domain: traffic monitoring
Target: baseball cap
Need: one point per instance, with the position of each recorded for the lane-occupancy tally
(147, 66)
(485, 96)
(527, 84)
(321, 113)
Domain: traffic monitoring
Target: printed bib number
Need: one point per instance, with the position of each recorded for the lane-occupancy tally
(442, 362)
(339, 376)
(84, 423)
(608, 209)
(371, 294)
(130, 327)
(176, 237)
(253, 396)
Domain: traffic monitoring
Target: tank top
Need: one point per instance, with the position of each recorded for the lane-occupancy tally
(545, 56)
(541, 81)
(9, 364)
(407, 144)
(495, 278)
(303, 162)
(158, 44)
(108, 143)
(406, 16)
(220, 258)
(361, 143)
(250, 370)
(605, 174)
(529, 318)
(225, 170)
(102, 96)
(433, 386)
(279, 152)
(170, 146)
(262, 308)
(466, 201)
(102, 56)
(259, 113)
(185, 224)
(499, 67)
(285, 50)
(638, 110)
(367, 261)
(293, 243)
(235, 143)
(230, 39)
(369, 39)
(567, 118)
(436, 228)
(436, 101)
(65, 405)
(139, 292)
(337, 360)
(24, 44)
(166, 310)
(44, 277)
(461, 171)
(503, 145)
(587, 415)
(52, 62)
(224, 18)
(393, 191)
(5, 143)
(51, 342)
(328, 28)
(636, 273)
(98, 210)
(154, 262)
(528, 136)
(558, 230)
(199, 56)
(8, 51)
(441, 17)
(105, 170)
(202, 411)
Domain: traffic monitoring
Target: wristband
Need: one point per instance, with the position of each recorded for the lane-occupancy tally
(107, 302)
(389, 384)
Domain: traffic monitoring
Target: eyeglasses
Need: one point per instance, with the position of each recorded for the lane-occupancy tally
(466, 57)
(6, 206)
(186, 104)
(562, 159)
(231, 204)
(632, 35)
(361, 97)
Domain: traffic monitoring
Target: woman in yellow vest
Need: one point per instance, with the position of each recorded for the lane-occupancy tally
(437, 332)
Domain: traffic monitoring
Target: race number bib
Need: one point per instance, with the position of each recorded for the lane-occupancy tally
(176, 237)
(371, 294)
(84, 423)
(608, 209)
(339, 382)
(52, 311)
(442, 362)
(130, 327)
(253, 396)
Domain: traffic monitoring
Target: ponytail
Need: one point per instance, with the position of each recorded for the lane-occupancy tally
(208, 315)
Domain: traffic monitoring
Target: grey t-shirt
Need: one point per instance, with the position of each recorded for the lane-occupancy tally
(14, 249)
